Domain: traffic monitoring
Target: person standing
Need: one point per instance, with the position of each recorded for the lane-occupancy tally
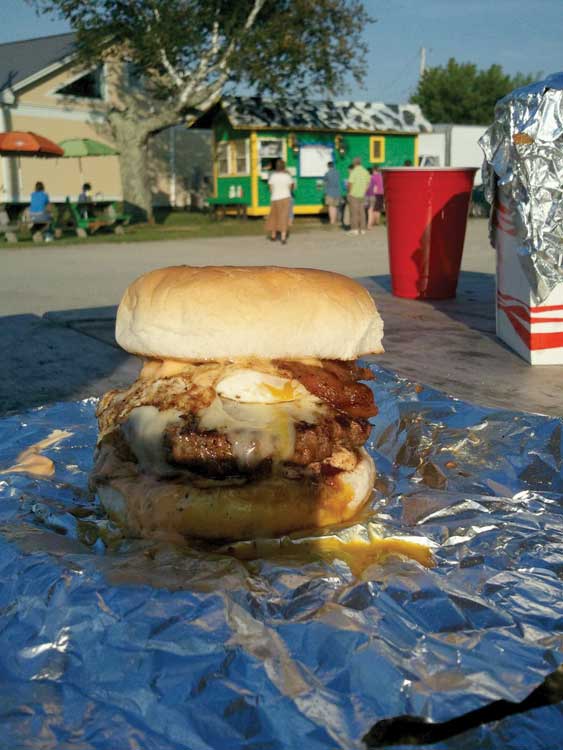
(281, 185)
(358, 182)
(333, 193)
(374, 195)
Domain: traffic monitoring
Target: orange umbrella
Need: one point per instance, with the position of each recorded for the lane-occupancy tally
(19, 143)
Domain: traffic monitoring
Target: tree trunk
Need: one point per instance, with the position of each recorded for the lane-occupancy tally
(133, 164)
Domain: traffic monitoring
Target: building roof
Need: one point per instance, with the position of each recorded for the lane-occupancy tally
(24, 59)
(255, 112)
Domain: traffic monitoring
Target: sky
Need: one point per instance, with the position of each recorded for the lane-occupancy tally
(521, 35)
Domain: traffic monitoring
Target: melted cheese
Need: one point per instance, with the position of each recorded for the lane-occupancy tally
(259, 431)
(144, 431)
(255, 431)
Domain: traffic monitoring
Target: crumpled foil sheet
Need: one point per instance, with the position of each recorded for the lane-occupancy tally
(524, 158)
(111, 643)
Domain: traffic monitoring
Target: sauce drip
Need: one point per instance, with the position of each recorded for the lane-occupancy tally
(30, 461)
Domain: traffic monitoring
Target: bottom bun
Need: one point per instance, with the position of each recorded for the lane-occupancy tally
(150, 507)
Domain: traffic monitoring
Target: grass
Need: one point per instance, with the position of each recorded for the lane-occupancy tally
(169, 225)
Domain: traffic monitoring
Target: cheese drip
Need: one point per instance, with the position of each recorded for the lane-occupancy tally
(144, 431)
(255, 431)
(259, 431)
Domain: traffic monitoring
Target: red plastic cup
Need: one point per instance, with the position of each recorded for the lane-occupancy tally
(426, 219)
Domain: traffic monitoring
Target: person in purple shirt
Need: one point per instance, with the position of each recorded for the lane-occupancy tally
(374, 197)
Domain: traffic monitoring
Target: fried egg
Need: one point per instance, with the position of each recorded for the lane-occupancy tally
(251, 386)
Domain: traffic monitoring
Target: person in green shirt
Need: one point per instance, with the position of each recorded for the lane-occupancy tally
(358, 181)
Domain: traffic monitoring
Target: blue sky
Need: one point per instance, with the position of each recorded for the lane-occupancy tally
(521, 35)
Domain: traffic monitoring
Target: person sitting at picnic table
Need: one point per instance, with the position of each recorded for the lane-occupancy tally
(86, 194)
(39, 205)
(85, 197)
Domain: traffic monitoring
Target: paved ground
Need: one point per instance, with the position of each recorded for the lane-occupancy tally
(39, 280)
(58, 307)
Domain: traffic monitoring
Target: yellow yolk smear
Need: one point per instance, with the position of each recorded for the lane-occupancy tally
(30, 461)
(253, 387)
(358, 554)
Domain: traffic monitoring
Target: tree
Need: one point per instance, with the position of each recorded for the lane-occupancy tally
(462, 94)
(184, 54)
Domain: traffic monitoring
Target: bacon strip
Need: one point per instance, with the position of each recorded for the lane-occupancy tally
(335, 383)
(347, 370)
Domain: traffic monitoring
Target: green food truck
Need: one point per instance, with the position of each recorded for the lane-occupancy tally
(251, 133)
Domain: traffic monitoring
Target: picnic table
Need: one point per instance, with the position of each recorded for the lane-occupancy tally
(89, 217)
(220, 206)
(8, 227)
(16, 217)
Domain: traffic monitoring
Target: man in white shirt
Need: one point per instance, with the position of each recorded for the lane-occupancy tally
(281, 186)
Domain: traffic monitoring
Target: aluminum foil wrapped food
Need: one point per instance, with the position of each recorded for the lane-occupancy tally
(112, 643)
(524, 158)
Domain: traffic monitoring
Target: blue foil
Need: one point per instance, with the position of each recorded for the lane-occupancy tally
(110, 643)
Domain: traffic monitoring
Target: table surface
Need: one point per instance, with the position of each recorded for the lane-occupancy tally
(447, 344)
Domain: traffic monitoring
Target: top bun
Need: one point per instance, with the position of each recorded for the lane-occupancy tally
(228, 312)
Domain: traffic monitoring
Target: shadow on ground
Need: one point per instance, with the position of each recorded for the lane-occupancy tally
(50, 359)
(473, 305)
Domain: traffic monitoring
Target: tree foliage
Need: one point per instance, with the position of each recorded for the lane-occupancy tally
(461, 93)
(279, 46)
(185, 53)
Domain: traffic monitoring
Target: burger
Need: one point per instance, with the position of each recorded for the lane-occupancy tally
(249, 417)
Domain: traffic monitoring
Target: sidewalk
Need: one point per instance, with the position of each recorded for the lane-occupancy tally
(58, 344)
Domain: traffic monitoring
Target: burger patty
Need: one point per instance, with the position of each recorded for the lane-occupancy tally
(211, 454)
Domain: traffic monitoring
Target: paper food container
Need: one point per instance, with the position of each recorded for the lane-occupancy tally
(533, 328)
(522, 177)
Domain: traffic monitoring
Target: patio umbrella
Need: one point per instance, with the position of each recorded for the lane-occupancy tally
(78, 147)
(20, 143)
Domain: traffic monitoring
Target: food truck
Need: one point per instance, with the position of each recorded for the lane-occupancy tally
(251, 133)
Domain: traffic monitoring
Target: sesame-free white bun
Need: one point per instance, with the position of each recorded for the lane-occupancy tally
(148, 507)
(228, 312)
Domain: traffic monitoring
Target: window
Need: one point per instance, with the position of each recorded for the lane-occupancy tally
(270, 150)
(240, 157)
(377, 148)
(222, 154)
(232, 158)
(87, 86)
(314, 159)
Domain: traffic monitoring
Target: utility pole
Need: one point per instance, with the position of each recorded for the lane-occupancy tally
(422, 67)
